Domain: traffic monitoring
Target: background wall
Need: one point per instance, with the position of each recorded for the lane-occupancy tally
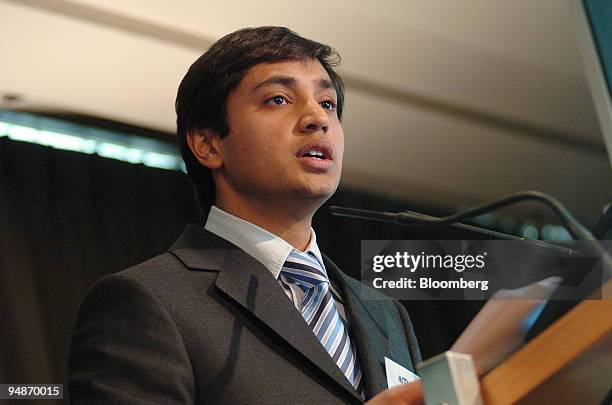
(448, 102)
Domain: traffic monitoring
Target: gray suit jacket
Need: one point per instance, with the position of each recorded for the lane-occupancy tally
(206, 323)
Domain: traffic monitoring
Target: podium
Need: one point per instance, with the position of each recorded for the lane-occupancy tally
(568, 363)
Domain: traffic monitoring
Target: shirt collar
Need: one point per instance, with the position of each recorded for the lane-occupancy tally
(265, 247)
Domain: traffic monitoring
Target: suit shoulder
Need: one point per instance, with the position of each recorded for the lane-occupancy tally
(130, 284)
(154, 267)
(167, 278)
(160, 276)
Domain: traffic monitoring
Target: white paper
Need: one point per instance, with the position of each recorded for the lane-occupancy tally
(498, 329)
(398, 374)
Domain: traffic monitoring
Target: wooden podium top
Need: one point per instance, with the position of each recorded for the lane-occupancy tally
(588, 323)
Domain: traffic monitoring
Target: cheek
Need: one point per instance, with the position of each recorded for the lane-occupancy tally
(237, 153)
(252, 155)
(340, 146)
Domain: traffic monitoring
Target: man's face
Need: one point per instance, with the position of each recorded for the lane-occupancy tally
(285, 142)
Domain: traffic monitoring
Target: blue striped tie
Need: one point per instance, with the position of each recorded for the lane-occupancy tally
(304, 276)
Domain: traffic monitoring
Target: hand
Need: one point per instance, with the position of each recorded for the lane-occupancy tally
(405, 394)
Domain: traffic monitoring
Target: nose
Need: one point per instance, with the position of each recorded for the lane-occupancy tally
(314, 118)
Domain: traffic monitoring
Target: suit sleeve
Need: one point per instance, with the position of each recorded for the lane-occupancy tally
(413, 345)
(126, 348)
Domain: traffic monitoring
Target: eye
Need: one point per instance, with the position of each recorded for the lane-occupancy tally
(328, 105)
(277, 100)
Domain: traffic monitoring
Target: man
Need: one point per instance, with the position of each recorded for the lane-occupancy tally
(246, 309)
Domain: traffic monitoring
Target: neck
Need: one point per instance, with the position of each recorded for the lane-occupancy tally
(291, 225)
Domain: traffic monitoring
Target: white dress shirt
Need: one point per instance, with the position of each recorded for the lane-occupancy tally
(265, 247)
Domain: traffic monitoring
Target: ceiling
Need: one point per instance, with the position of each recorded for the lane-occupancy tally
(449, 103)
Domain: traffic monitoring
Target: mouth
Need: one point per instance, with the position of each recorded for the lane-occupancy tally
(319, 150)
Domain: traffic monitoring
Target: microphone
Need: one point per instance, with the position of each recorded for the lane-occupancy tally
(575, 228)
(553, 309)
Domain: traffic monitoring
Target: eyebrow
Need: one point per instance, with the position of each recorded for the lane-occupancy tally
(289, 81)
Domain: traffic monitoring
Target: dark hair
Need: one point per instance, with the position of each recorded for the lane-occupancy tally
(201, 102)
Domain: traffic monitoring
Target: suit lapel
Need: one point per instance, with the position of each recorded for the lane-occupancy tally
(248, 283)
(367, 324)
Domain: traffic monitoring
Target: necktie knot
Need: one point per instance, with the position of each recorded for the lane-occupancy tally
(304, 270)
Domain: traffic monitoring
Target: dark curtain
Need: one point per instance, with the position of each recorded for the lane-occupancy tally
(67, 219)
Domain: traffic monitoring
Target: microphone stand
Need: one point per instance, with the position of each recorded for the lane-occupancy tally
(403, 218)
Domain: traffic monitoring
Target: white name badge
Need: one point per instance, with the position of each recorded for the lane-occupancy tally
(398, 374)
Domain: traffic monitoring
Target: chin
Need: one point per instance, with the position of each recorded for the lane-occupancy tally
(322, 192)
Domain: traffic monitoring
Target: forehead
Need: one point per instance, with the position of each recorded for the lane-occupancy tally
(305, 72)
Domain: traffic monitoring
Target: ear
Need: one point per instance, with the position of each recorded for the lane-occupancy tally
(203, 144)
